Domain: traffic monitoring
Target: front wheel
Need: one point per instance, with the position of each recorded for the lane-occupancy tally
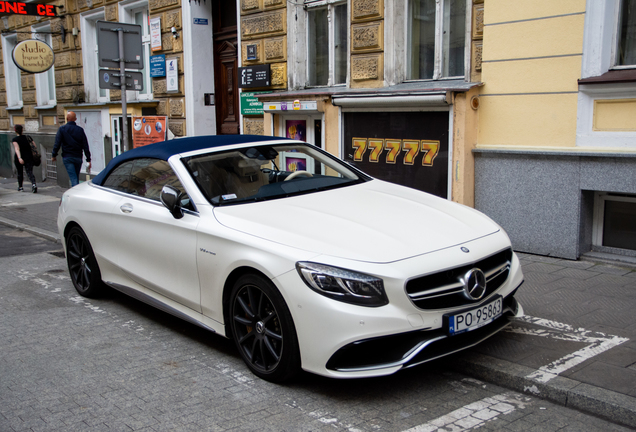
(263, 329)
(82, 265)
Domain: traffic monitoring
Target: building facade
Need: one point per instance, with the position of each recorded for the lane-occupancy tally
(526, 113)
(556, 152)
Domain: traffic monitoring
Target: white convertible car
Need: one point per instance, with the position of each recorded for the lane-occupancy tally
(303, 260)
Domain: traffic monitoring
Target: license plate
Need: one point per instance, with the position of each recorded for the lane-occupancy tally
(474, 318)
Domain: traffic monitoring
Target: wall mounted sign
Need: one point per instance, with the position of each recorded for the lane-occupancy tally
(33, 56)
(149, 130)
(251, 52)
(250, 105)
(200, 21)
(158, 65)
(155, 34)
(18, 8)
(254, 76)
(172, 75)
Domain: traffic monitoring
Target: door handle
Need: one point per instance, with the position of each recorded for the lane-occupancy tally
(126, 208)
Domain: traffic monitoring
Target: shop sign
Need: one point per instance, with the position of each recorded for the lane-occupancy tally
(18, 8)
(155, 34)
(149, 130)
(33, 56)
(407, 148)
(254, 76)
(158, 65)
(250, 105)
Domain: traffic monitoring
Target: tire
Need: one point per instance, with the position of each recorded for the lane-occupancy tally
(82, 265)
(263, 329)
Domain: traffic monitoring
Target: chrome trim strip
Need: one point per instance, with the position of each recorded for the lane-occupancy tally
(157, 304)
(142, 199)
(413, 352)
(443, 294)
(438, 289)
(493, 273)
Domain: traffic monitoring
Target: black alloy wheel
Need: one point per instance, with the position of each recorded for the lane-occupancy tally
(263, 329)
(82, 265)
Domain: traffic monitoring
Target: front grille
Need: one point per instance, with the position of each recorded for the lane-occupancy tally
(446, 290)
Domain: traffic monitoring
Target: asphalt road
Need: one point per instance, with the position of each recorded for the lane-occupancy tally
(70, 363)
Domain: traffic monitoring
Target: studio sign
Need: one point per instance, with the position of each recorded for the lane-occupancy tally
(33, 56)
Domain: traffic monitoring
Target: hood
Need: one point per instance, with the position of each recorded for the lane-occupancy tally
(374, 221)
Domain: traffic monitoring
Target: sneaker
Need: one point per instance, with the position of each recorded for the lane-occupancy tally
(34, 189)
(20, 189)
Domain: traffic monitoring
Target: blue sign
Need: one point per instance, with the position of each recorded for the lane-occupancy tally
(200, 21)
(158, 65)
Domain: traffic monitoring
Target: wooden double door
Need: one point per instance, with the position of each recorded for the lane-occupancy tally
(226, 49)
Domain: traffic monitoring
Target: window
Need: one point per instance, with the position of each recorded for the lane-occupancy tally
(145, 178)
(45, 81)
(614, 217)
(327, 43)
(13, 78)
(437, 39)
(626, 35)
(136, 12)
(90, 56)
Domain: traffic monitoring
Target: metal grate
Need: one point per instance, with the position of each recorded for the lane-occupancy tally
(51, 167)
(446, 289)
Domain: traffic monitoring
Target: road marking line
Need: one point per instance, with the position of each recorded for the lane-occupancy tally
(475, 414)
(598, 343)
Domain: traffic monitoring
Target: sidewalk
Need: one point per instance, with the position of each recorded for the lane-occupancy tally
(576, 345)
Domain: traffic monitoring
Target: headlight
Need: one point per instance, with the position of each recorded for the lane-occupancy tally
(343, 285)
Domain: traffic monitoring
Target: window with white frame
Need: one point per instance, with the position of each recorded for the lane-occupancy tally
(45, 81)
(437, 39)
(626, 34)
(136, 12)
(12, 75)
(90, 57)
(326, 42)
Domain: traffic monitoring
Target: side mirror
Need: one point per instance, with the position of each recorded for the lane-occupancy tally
(171, 199)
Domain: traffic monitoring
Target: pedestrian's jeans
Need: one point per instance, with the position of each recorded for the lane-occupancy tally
(73, 166)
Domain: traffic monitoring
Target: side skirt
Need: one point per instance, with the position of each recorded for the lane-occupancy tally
(163, 306)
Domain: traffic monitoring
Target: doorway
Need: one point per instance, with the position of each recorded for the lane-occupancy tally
(225, 66)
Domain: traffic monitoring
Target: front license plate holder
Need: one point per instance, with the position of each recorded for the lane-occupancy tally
(473, 318)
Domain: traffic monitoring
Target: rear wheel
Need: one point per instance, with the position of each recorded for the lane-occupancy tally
(82, 265)
(263, 329)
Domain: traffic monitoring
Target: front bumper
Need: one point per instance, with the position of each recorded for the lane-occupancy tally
(414, 348)
(347, 341)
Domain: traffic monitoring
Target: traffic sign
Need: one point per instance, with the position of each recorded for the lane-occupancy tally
(111, 79)
(108, 45)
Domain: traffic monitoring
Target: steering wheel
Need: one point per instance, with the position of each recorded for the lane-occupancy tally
(298, 173)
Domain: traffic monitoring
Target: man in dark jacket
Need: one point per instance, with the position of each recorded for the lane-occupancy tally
(73, 141)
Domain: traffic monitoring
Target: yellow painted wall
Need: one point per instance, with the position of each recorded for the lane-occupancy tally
(515, 10)
(528, 120)
(615, 115)
(531, 63)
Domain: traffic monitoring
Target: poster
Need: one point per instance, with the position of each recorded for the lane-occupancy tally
(155, 34)
(172, 75)
(296, 129)
(148, 130)
(407, 148)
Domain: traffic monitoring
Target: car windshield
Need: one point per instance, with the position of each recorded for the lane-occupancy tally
(268, 172)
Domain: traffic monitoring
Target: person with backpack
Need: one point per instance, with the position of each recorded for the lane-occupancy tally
(72, 139)
(23, 159)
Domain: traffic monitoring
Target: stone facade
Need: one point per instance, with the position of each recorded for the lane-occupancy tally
(367, 43)
(69, 79)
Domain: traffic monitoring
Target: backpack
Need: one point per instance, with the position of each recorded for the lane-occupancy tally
(37, 157)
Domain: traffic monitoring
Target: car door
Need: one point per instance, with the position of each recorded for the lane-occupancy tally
(156, 251)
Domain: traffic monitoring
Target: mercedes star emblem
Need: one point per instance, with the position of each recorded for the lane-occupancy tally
(474, 284)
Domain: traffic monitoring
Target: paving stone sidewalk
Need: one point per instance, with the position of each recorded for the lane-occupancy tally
(576, 346)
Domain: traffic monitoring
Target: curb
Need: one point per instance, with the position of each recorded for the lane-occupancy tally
(32, 230)
(610, 405)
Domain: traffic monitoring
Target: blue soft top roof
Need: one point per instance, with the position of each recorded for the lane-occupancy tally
(164, 150)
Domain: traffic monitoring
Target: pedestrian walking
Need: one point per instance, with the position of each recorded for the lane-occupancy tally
(23, 159)
(72, 139)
